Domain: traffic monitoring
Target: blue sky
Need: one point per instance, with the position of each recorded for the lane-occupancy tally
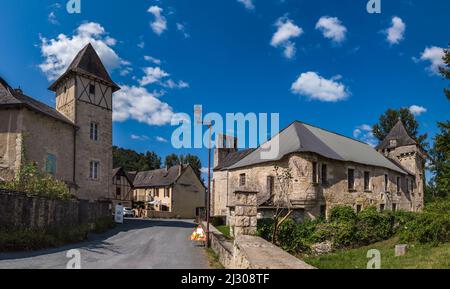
(328, 63)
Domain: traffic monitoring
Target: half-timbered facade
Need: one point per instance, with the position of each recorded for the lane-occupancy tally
(122, 192)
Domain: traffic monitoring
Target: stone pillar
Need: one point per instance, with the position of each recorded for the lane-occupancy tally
(245, 215)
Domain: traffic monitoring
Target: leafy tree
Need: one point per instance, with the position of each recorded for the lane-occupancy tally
(192, 160)
(440, 161)
(130, 160)
(390, 118)
(172, 160)
(445, 71)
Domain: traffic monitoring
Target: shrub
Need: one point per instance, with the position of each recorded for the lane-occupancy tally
(265, 228)
(341, 234)
(36, 183)
(373, 226)
(343, 214)
(427, 228)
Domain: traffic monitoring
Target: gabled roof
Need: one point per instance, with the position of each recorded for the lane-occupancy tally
(121, 172)
(232, 158)
(15, 98)
(301, 137)
(89, 63)
(399, 134)
(158, 178)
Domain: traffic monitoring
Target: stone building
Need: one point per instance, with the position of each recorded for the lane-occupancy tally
(327, 169)
(72, 142)
(176, 190)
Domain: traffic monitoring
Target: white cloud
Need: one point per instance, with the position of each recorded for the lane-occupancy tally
(59, 52)
(417, 110)
(286, 31)
(161, 139)
(332, 28)
(152, 60)
(138, 104)
(248, 4)
(139, 137)
(396, 32)
(365, 134)
(315, 87)
(182, 29)
(172, 84)
(152, 75)
(435, 56)
(159, 25)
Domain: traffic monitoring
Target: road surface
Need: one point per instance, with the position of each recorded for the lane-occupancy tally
(137, 244)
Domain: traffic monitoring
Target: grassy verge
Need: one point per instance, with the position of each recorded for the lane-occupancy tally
(417, 257)
(224, 230)
(213, 259)
(35, 239)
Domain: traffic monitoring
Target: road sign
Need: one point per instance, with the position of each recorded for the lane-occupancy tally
(118, 216)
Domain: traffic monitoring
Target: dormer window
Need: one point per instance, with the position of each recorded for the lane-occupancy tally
(393, 143)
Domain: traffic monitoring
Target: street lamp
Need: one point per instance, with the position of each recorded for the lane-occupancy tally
(199, 120)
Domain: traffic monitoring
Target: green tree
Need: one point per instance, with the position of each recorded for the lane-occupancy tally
(445, 71)
(172, 160)
(131, 160)
(194, 162)
(440, 161)
(388, 120)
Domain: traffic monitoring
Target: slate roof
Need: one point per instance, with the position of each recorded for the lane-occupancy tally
(88, 62)
(301, 137)
(157, 178)
(233, 158)
(399, 134)
(15, 98)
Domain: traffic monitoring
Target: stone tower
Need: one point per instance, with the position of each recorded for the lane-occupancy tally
(84, 95)
(404, 150)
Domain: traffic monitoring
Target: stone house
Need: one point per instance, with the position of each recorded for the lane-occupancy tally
(72, 142)
(122, 188)
(176, 190)
(327, 169)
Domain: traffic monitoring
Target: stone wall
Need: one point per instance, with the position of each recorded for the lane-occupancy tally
(244, 220)
(251, 252)
(17, 210)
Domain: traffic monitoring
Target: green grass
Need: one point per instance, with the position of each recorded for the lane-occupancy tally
(417, 257)
(213, 259)
(224, 230)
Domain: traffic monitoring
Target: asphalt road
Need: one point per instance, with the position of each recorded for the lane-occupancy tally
(137, 244)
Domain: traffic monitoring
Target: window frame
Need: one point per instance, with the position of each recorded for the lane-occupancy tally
(93, 131)
(52, 160)
(351, 182)
(367, 181)
(94, 170)
(270, 182)
(92, 89)
(324, 174)
(399, 185)
(386, 183)
(242, 180)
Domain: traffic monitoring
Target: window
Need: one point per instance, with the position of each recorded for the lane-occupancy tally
(91, 89)
(393, 143)
(315, 173)
(94, 168)
(382, 207)
(324, 174)
(412, 186)
(351, 179)
(386, 183)
(118, 192)
(358, 209)
(65, 89)
(407, 186)
(156, 192)
(94, 131)
(166, 192)
(394, 207)
(366, 181)
(398, 185)
(242, 180)
(270, 185)
(50, 164)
